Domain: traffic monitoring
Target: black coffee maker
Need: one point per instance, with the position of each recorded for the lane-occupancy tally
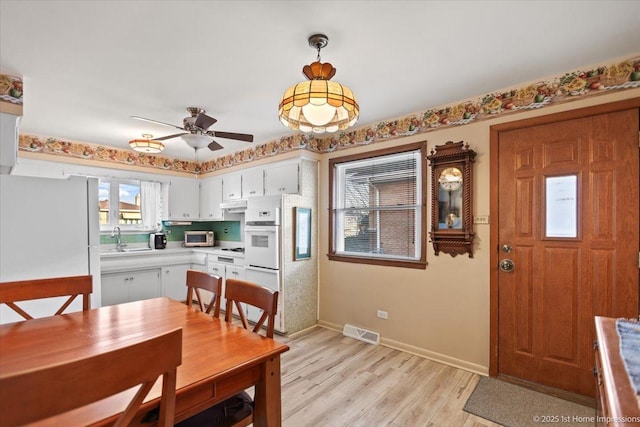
(157, 240)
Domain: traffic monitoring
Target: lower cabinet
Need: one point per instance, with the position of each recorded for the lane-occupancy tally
(129, 286)
(226, 271)
(174, 281)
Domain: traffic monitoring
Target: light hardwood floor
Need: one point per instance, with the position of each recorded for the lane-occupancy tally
(330, 380)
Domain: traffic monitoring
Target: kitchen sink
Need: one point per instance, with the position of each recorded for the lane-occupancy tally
(136, 250)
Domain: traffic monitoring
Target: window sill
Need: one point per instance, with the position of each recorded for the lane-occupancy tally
(421, 264)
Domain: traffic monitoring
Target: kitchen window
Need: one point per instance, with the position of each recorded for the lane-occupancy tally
(377, 204)
(129, 204)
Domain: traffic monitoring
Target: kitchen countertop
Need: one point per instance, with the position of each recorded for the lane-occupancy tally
(138, 258)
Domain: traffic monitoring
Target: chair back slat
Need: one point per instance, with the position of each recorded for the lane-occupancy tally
(242, 291)
(26, 290)
(39, 394)
(200, 280)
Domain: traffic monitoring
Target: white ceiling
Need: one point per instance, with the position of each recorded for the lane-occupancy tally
(90, 65)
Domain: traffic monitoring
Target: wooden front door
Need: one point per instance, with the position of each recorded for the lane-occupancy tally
(567, 201)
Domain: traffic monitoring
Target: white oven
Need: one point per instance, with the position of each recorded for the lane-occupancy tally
(261, 246)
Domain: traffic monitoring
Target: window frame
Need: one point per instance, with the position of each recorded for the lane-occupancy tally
(114, 214)
(378, 260)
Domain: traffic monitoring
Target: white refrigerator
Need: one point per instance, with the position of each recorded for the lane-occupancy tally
(48, 228)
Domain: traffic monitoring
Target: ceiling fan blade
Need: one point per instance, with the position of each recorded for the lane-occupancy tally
(155, 121)
(169, 136)
(232, 135)
(215, 146)
(203, 121)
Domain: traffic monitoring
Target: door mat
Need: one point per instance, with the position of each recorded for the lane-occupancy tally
(514, 406)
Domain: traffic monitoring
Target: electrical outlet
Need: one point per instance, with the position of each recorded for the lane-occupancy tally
(226, 230)
(382, 314)
(481, 219)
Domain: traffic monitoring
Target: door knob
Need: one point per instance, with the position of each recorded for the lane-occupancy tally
(507, 265)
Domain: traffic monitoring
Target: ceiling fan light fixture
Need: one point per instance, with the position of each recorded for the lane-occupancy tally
(196, 141)
(318, 105)
(146, 145)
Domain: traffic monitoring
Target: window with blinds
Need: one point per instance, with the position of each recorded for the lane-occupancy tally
(377, 205)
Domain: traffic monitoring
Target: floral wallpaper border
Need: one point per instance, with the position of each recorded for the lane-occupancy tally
(568, 87)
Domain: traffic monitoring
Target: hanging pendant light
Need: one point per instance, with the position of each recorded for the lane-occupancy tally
(146, 145)
(318, 105)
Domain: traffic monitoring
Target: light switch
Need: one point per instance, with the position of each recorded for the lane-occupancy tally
(481, 219)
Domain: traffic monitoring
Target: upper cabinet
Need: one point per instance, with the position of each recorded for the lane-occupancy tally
(232, 186)
(184, 195)
(199, 200)
(210, 199)
(253, 182)
(282, 178)
(8, 141)
(268, 180)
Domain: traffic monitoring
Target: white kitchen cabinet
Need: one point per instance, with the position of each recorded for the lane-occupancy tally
(226, 271)
(8, 141)
(174, 281)
(210, 199)
(232, 186)
(130, 286)
(253, 182)
(282, 178)
(184, 197)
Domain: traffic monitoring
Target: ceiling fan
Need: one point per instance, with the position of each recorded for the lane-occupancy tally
(196, 132)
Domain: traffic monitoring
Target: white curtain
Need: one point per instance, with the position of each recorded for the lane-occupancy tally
(151, 195)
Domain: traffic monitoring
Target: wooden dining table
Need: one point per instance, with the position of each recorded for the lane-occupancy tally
(218, 359)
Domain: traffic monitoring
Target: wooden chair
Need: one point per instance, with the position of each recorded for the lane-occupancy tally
(241, 291)
(237, 411)
(24, 290)
(197, 280)
(36, 395)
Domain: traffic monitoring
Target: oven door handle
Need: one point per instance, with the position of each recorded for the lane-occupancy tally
(263, 269)
(259, 230)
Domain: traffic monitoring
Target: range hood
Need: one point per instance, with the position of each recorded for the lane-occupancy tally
(234, 206)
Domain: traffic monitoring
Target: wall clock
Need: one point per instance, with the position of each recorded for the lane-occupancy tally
(452, 198)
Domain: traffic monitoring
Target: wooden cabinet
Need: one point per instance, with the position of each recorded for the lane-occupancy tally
(253, 182)
(210, 199)
(184, 198)
(282, 178)
(615, 397)
(232, 186)
(130, 286)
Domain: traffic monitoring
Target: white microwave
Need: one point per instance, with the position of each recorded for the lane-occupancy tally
(198, 238)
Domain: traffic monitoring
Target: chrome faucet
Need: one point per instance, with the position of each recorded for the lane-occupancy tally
(119, 245)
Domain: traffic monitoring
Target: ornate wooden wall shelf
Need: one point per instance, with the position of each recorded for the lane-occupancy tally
(452, 198)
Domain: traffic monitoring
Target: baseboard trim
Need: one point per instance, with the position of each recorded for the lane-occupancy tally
(421, 352)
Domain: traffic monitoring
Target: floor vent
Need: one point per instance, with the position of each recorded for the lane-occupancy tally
(365, 335)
